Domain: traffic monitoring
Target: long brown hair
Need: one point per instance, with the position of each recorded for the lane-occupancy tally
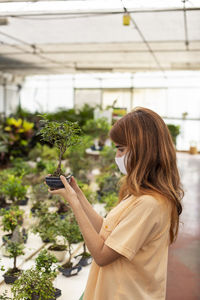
(151, 160)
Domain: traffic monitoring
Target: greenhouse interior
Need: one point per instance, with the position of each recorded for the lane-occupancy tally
(70, 71)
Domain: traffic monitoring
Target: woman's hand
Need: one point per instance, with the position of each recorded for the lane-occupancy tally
(68, 192)
(74, 185)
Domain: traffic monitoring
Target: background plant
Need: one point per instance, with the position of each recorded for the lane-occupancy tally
(14, 188)
(11, 218)
(33, 282)
(14, 249)
(45, 262)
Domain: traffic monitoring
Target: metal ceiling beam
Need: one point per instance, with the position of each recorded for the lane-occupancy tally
(103, 51)
(95, 13)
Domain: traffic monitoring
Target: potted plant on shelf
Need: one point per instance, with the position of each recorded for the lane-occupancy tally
(49, 228)
(46, 262)
(62, 135)
(11, 219)
(99, 129)
(15, 249)
(34, 284)
(71, 231)
(174, 131)
(14, 189)
(85, 257)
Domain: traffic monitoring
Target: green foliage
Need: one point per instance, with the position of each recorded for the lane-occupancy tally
(34, 282)
(19, 133)
(43, 151)
(72, 115)
(107, 159)
(14, 249)
(45, 261)
(62, 135)
(47, 226)
(79, 163)
(14, 188)
(19, 167)
(11, 218)
(89, 194)
(110, 200)
(97, 128)
(174, 131)
(108, 183)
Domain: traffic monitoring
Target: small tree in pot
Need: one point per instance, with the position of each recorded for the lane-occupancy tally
(62, 135)
(70, 230)
(11, 219)
(14, 249)
(14, 189)
(34, 285)
(46, 262)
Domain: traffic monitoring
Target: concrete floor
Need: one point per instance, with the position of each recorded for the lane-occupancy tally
(184, 255)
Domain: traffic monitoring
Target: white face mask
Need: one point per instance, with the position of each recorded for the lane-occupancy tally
(120, 161)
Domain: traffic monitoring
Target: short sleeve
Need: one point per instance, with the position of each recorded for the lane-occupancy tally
(135, 228)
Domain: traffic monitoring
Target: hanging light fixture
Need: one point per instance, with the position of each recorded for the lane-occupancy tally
(126, 19)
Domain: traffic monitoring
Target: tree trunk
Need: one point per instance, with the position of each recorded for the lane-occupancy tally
(15, 262)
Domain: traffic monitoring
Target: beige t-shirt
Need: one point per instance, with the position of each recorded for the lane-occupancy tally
(138, 229)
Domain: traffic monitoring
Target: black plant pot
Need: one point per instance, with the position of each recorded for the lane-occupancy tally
(55, 183)
(9, 278)
(56, 295)
(85, 261)
(68, 272)
(23, 202)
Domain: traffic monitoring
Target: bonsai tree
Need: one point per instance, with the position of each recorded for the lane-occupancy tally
(11, 218)
(45, 261)
(61, 135)
(47, 227)
(34, 284)
(15, 249)
(71, 231)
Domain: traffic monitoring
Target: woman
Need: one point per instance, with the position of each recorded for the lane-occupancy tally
(130, 245)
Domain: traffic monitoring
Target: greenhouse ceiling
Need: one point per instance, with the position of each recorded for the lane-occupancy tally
(55, 37)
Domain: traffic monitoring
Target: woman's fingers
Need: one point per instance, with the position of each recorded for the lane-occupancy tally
(64, 181)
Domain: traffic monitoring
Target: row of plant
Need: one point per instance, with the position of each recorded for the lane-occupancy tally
(57, 227)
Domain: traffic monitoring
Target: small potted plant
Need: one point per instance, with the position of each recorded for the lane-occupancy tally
(62, 135)
(14, 189)
(85, 257)
(14, 249)
(72, 233)
(46, 262)
(34, 284)
(40, 194)
(11, 219)
(49, 227)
